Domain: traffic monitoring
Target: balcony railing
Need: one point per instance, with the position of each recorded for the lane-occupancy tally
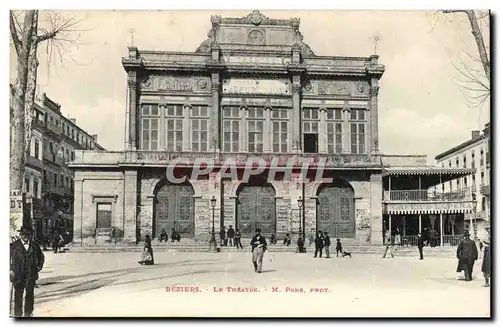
(34, 162)
(189, 158)
(426, 195)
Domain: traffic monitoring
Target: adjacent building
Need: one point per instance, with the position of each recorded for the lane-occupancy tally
(473, 153)
(48, 182)
(253, 88)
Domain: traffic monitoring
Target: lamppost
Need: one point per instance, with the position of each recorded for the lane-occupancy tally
(213, 242)
(300, 202)
(474, 212)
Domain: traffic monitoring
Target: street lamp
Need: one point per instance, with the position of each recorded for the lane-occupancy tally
(213, 242)
(300, 202)
(474, 209)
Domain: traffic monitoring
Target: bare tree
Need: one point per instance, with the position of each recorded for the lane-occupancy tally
(55, 30)
(474, 83)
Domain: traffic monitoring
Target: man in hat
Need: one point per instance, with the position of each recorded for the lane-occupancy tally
(466, 255)
(26, 261)
(485, 267)
(259, 246)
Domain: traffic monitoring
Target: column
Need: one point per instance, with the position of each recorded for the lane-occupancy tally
(374, 116)
(133, 114)
(186, 129)
(243, 129)
(346, 131)
(77, 212)
(296, 116)
(376, 209)
(268, 136)
(390, 229)
(322, 135)
(420, 223)
(214, 114)
(441, 228)
(130, 206)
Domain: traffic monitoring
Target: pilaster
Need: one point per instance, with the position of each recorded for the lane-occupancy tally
(132, 109)
(243, 129)
(296, 116)
(214, 115)
(267, 137)
(130, 206)
(376, 209)
(78, 214)
(374, 116)
(322, 135)
(346, 130)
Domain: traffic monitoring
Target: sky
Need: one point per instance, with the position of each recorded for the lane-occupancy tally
(421, 108)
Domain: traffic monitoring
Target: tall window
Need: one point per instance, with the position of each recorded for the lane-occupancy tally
(256, 129)
(35, 188)
(481, 156)
(27, 185)
(334, 130)
(199, 128)
(465, 182)
(150, 122)
(358, 133)
(280, 130)
(473, 159)
(174, 117)
(310, 130)
(482, 178)
(449, 163)
(231, 129)
(465, 161)
(55, 179)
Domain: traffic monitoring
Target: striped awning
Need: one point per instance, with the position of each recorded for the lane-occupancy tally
(427, 171)
(410, 208)
(426, 211)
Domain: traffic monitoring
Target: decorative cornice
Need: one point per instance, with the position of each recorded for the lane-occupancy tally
(255, 18)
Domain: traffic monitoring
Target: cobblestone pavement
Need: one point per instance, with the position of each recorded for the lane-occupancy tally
(113, 284)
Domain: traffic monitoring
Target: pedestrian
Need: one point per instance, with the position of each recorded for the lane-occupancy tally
(388, 245)
(237, 239)
(55, 241)
(175, 236)
(222, 235)
(146, 256)
(273, 239)
(149, 248)
(137, 236)
(318, 243)
(338, 247)
(466, 255)
(26, 261)
(327, 244)
(259, 246)
(287, 240)
(485, 267)
(311, 239)
(300, 244)
(230, 236)
(163, 236)
(225, 236)
(420, 245)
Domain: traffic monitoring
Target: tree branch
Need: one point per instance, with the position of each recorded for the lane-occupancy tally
(13, 33)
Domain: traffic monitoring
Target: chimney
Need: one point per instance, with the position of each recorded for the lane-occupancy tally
(475, 134)
(94, 136)
(73, 120)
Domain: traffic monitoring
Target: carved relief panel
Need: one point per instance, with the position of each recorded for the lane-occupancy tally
(177, 84)
(360, 88)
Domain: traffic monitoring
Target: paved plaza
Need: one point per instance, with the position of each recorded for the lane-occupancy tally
(113, 284)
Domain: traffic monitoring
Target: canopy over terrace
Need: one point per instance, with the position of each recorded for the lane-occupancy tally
(413, 203)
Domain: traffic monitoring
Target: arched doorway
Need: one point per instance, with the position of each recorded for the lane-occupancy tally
(174, 208)
(335, 210)
(256, 208)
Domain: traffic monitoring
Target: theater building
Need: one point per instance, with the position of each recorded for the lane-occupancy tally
(253, 88)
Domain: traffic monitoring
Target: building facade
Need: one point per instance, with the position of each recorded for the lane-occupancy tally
(252, 89)
(473, 153)
(48, 182)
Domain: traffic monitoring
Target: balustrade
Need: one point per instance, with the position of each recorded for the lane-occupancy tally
(426, 195)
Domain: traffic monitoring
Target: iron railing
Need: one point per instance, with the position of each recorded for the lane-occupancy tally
(426, 195)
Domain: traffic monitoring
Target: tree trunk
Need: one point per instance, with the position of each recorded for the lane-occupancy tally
(17, 158)
(476, 32)
(29, 106)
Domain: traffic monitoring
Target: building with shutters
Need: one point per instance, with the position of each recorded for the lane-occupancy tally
(252, 89)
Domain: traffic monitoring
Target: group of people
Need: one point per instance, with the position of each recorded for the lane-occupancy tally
(230, 237)
(174, 236)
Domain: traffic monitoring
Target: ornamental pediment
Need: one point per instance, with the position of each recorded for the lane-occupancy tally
(176, 84)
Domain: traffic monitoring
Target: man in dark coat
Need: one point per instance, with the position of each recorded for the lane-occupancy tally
(466, 255)
(222, 235)
(259, 246)
(420, 245)
(26, 261)
(230, 235)
(327, 244)
(485, 267)
(318, 243)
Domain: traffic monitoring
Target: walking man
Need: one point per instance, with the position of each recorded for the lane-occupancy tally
(230, 236)
(485, 267)
(259, 246)
(327, 245)
(26, 261)
(237, 239)
(466, 255)
(388, 245)
(338, 247)
(318, 242)
(222, 235)
(420, 245)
